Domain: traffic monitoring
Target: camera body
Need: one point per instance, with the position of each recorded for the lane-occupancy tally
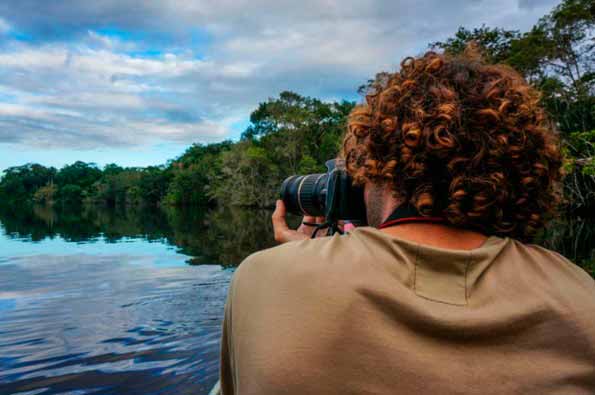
(331, 194)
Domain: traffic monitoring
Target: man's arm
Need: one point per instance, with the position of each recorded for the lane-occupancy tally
(283, 234)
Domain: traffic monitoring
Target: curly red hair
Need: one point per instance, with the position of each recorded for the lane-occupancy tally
(461, 139)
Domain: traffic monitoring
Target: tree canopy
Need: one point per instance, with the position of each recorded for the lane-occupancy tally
(293, 134)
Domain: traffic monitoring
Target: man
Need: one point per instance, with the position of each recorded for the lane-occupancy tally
(439, 295)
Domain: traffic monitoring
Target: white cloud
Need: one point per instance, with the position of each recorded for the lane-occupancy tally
(101, 90)
(4, 26)
(85, 97)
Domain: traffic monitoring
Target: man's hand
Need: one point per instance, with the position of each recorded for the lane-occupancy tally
(284, 234)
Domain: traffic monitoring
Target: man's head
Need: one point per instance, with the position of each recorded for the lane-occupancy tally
(458, 138)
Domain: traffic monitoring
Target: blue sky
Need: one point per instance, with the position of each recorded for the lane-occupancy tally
(135, 82)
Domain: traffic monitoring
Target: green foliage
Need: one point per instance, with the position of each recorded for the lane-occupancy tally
(19, 183)
(153, 184)
(293, 134)
(589, 266)
(79, 173)
(582, 143)
(308, 165)
(496, 43)
(556, 54)
(589, 168)
(293, 126)
(572, 237)
(117, 188)
(579, 186)
(46, 195)
(287, 135)
(193, 174)
(72, 180)
(248, 176)
(571, 114)
(188, 187)
(70, 194)
(221, 236)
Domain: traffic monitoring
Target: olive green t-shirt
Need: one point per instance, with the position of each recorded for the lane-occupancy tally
(367, 313)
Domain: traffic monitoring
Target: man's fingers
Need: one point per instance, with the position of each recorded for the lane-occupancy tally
(281, 229)
(308, 218)
(278, 218)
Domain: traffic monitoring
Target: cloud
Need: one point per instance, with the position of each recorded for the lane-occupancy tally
(83, 97)
(130, 72)
(531, 4)
(4, 26)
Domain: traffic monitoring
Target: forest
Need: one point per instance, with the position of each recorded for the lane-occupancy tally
(292, 134)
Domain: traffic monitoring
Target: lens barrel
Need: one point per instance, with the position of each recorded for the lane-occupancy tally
(305, 195)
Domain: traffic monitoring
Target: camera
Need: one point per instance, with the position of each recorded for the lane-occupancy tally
(331, 194)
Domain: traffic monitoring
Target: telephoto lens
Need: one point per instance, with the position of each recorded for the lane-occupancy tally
(305, 195)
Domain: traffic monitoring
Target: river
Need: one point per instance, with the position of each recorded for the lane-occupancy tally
(117, 301)
(97, 301)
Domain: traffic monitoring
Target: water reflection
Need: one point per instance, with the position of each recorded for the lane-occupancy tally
(222, 236)
(118, 302)
(130, 301)
(108, 325)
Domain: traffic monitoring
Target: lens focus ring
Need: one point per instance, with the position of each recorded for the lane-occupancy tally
(307, 197)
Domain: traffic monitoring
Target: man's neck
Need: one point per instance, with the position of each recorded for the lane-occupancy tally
(437, 235)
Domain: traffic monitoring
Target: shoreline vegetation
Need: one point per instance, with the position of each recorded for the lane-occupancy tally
(294, 134)
(221, 235)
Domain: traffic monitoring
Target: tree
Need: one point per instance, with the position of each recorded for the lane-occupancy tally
(46, 194)
(193, 174)
(70, 194)
(567, 41)
(118, 188)
(496, 43)
(248, 177)
(293, 126)
(153, 184)
(556, 55)
(19, 183)
(79, 173)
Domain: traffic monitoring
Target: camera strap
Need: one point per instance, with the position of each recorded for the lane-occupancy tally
(406, 214)
(332, 228)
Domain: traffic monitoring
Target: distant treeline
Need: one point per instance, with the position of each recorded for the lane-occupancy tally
(288, 135)
(296, 134)
(222, 235)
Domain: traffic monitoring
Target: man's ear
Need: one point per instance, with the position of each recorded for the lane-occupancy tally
(372, 191)
(391, 198)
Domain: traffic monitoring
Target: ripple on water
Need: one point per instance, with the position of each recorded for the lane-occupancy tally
(107, 325)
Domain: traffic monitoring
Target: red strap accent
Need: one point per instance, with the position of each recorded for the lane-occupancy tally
(410, 219)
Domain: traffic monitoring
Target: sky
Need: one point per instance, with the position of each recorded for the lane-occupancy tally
(135, 82)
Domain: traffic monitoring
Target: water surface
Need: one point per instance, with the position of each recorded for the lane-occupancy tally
(117, 302)
(97, 301)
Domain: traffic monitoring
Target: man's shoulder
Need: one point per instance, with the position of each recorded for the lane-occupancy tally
(301, 267)
(305, 253)
(555, 271)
